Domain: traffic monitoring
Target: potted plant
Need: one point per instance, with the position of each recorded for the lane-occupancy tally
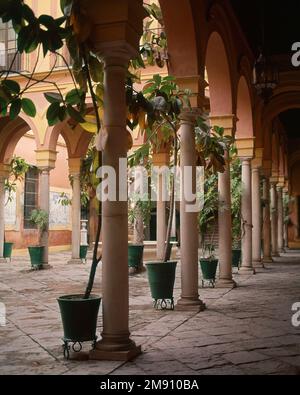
(209, 264)
(236, 195)
(207, 227)
(40, 219)
(139, 215)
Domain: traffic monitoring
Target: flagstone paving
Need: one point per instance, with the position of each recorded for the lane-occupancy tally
(244, 331)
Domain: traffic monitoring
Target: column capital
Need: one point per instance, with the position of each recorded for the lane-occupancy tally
(227, 122)
(197, 85)
(281, 182)
(45, 159)
(189, 116)
(161, 159)
(74, 166)
(257, 162)
(4, 171)
(116, 27)
(245, 147)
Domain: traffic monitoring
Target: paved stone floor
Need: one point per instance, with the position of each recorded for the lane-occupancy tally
(245, 331)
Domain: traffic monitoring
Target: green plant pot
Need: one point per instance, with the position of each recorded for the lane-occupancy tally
(209, 269)
(83, 252)
(236, 258)
(36, 256)
(7, 250)
(79, 317)
(135, 256)
(161, 278)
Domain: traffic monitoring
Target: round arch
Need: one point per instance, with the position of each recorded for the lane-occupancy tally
(244, 110)
(182, 37)
(219, 76)
(11, 132)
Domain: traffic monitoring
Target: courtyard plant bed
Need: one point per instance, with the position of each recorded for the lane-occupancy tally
(7, 250)
(40, 219)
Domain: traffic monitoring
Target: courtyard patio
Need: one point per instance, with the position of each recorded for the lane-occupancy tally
(244, 331)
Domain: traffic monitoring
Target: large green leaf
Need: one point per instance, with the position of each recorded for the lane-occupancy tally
(53, 97)
(12, 86)
(74, 97)
(15, 109)
(28, 107)
(74, 114)
(53, 113)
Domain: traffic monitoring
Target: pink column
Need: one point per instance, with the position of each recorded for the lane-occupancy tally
(76, 217)
(267, 257)
(256, 218)
(116, 343)
(189, 235)
(274, 219)
(225, 233)
(44, 204)
(247, 265)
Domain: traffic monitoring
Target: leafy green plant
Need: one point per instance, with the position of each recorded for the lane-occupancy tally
(17, 170)
(139, 214)
(40, 219)
(208, 214)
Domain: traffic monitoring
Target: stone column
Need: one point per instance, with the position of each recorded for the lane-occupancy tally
(256, 218)
(45, 160)
(225, 232)
(224, 219)
(189, 239)
(286, 235)
(267, 257)
(115, 343)
(274, 219)
(247, 265)
(280, 219)
(161, 160)
(3, 176)
(74, 171)
(44, 204)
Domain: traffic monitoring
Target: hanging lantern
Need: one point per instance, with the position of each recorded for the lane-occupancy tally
(265, 77)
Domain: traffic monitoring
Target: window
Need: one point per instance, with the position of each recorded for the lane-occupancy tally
(30, 196)
(8, 48)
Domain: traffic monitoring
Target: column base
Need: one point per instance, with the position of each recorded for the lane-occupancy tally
(3, 260)
(75, 262)
(276, 255)
(46, 266)
(185, 304)
(267, 260)
(225, 284)
(247, 271)
(258, 265)
(115, 348)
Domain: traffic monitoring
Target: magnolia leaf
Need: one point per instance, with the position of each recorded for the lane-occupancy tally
(28, 107)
